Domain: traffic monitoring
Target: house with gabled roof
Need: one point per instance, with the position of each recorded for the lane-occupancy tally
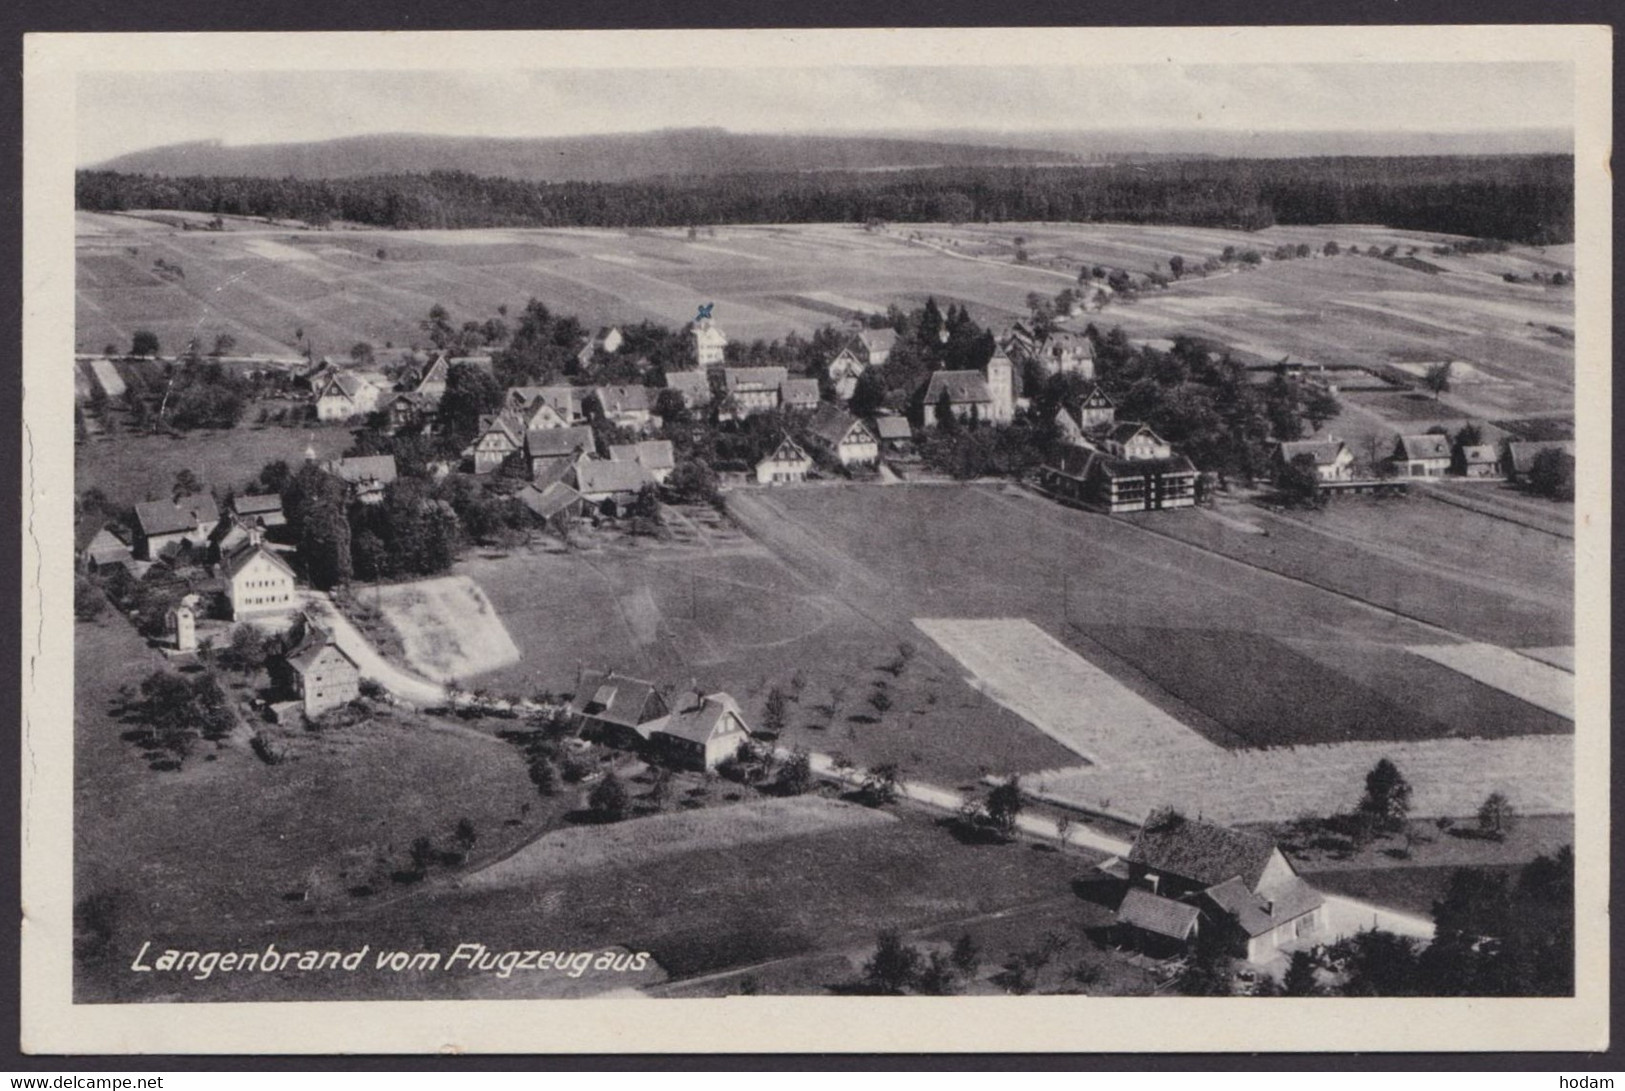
(626, 406)
(1064, 352)
(1088, 474)
(694, 386)
(751, 390)
(565, 402)
(433, 383)
(701, 732)
(1134, 441)
(654, 455)
(615, 707)
(800, 394)
(549, 447)
(553, 499)
(321, 674)
(1333, 461)
(874, 346)
(607, 485)
(1518, 457)
(967, 396)
(500, 437)
(105, 549)
(341, 395)
(1097, 410)
(1066, 426)
(258, 581)
(894, 433)
(366, 475)
(1239, 882)
(606, 340)
(262, 511)
(710, 343)
(788, 464)
(844, 368)
(409, 409)
(161, 524)
(844, 436)
(1425, 455)
(1476, 460)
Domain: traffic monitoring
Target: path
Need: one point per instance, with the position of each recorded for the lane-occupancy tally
(353, 643)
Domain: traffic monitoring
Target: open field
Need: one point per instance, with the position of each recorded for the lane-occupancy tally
(447, 628)
(131, 468)
(261, 284)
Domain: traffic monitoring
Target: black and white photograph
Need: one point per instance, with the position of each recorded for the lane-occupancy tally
(1044, 521)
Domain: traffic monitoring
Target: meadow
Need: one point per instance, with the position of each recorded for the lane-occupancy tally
(265, 285)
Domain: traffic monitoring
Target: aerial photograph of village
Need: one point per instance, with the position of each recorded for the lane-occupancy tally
(898, 532)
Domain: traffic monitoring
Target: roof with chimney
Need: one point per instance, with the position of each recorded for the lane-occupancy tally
(560, 442)
(1200, 852)
(187, 513)
(1428, 446)
(698, 717)
(962, 388)
(364, 469)
(616, 699)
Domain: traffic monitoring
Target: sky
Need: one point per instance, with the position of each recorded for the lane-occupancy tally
(129, 111)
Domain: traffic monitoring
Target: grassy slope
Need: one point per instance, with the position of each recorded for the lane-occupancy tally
(130, 468)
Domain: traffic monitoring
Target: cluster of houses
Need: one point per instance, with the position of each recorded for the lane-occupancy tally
(694, 730)
(1120, 466)
(1429, 454)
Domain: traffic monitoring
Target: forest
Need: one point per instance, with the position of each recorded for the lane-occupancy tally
(1520, 199)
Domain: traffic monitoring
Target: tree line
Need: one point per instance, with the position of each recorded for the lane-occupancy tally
(1526, 199)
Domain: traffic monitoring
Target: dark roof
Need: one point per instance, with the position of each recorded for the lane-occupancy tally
(831, 424)
(1140, 467)
(694, 386)
(1431, 445)
(549, 500)
(545, 471)
(251, 504)
(1200, 852)
(1160, 916)
(315, 640)
(233, 562)
(697, 717)
(624, 399)
(893, 428)
(1256, 914)
(1478, 453)
(754, 377)
(651, 454)
(962, 387)
(788, 450)
(1323, 451)
(799, 391)
(1125, 430)
(380, 468)
(1068, 341)
(163, 517)
(613, 698)
(1522, 453)
(559, 442)
(1097, 399)
(597, 475)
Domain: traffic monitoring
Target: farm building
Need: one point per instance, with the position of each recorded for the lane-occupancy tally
(1476, 460)
(258, 582)
(654, 455)
(549, 447)
(701, 733)
(610, 486)
(553, 499)
(606, 341)
(322, 676)
(966, 394)
(1421, 456)
(1120, 483)
(341, 395)
(615, 708)
(1157, 926)
(1333, 459)
(433, 382)
(626, 406)
(1519, 457)
(844, 436)
(894, 434)
(844, 369)
(367, 475)
(1240, 883)
(105, 549)
(258, 512)
(752, 390)
(694, 386)
(799, 394)
(500, 437)
(788, 464)
(709, 342)
(160, 524)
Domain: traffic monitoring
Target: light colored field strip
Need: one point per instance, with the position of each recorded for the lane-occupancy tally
(624, 844)
(1064, 695)
(1525, 678)
(448, 628)
(1143, 758)
(1559, 656)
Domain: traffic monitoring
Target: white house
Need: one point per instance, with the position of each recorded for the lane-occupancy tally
(701, 732)
(258, 582)
(786, 465)
(1421, 456)
(341, 395)
(1332, 457)
(709, 342)
(844, 436)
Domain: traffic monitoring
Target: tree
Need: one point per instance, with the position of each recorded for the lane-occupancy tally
(869, 394)
(1377, 963)
(773, 712)
(1299, 979)
(796, 775)
(1469, 435)
(465, 834)
(144, 343)
(608, 799)
(247, 651)
(1437, 378)
(186, 484)
(693, 481)
(1299, 481)
(881, 784)
(894, 967)
(1321, 406)
(1003, 807)
(1497, 816)
(966, 955)
(1552, 474)
(88, 601)
(471, 393)
(224, 344)
(1387, 800)
(1176, 266)
(880, 700)
(672, 408)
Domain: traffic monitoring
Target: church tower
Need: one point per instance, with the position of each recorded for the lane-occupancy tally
(1001, 384)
